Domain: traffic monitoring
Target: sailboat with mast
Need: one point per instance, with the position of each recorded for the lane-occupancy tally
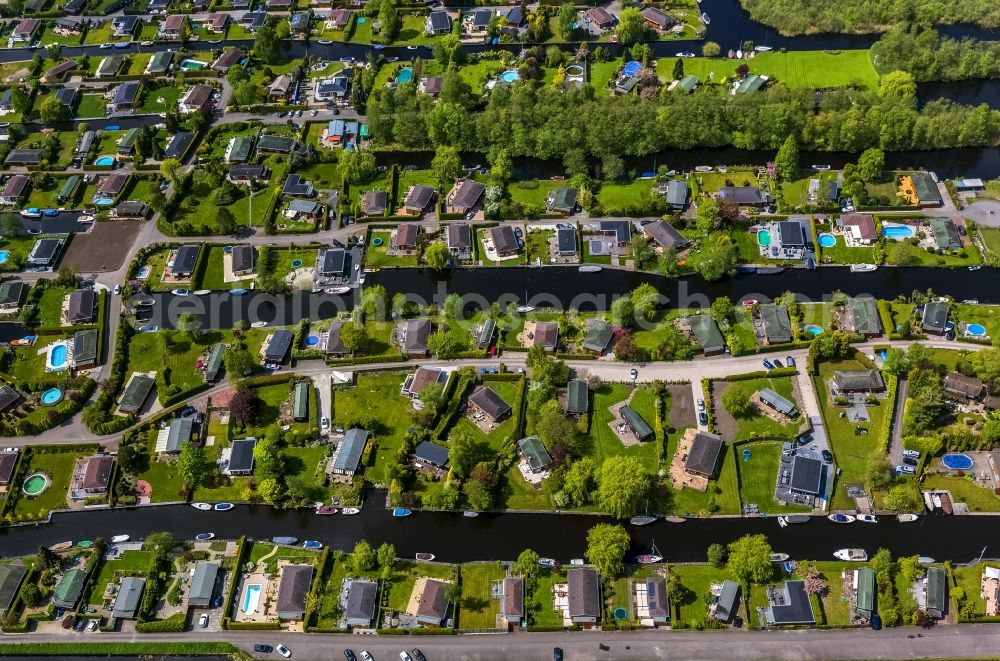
(642, 519)
(650, 558)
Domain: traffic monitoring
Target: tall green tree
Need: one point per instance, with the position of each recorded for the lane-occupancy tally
(678, 69)
(266, 44)
(446, 164)
(870, 163)
(567, 21)
(437, 256)
(750, 560)
(606, 548)
(786, 162)
(623, 486)
(631, 26)
(191, 465)
(388, 17)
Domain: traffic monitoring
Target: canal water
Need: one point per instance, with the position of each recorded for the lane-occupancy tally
(454, 538)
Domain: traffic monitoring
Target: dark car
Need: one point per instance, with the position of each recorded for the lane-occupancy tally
(777, 363)
(187, 410)
(805, 439)
(702, 418)
(349, 654)
(262, 648)
(417, 655)
(557, 654)
(876, 622)
(789, 361)
(827, 456)
(910, 461)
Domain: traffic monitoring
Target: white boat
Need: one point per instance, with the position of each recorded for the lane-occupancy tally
(340, 291)
(85, 218)
(783, 522)
(798, 518)
(926, 560)
(762, 49)
(703, 168)
(642, 520)
(851, 555)
(820, 167)
(204, 536)
(180, 292)
(202, 292)
(425, 557)
(866, 518)
(258, 324)
(841, 518)
(118, 539)
(936, 499)
(546, 562)
(907, 518)
(929, 500)
(204, 507)
(576, 562)
(525, 308)
(705, 18)
(31, 213)
(739, 55)
(469, 514)
(863, 268)
(348, 511)
(589, 268)
(779, 557)
(975, 267)
(674, 519)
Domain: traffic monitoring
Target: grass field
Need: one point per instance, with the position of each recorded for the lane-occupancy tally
(129, 564)
(405, 575)
(477, 609)
(698, 580)
(539, 603)
(395, 414)
(619, 196)
(986, 315)
(532, 191)
(758, 476)
(836, 609)
(160, 473)
(376, 256)
(214, 277)
(603, 441)
(963, 489)
(969, 579)
(760, 425)
(798, 69)
(991, 238)
(58, 466)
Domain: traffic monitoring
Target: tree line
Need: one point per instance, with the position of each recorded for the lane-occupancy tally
(860, 16)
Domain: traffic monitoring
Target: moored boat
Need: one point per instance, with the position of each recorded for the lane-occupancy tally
(470, 514)
(705, 18)
(820, 167)
(703, 168)
(350, 511)
(223, 507)
(837, 517)
(401, 512)
(762, 49)
(282, 539)
(782, 522)
(546, 562)
(926, 560)
(180, 291)
(798, 518)
(750, 302)
(326, 510)
(779, 557)
(425, 557)
(239, 291)
(907, 518)
(867, 518)
(674, 519)
(770, 270)
(202, 292)
(204, 507)
(145, 303)
(312, 544)
(118, 539)
(576, 562)
(204, 536)
(31, 212)
(589, 268)
(258, 324)
(851, 555)
(61, 546)
(642, 520)
(340, 291)
(649, 559)
(525, 308)
(863, 268)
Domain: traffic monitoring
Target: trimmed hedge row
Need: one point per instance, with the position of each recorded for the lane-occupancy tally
(885, 432)
(763, 374)
(227, 605)
(368, 360)
(448, 415)
(173, 624)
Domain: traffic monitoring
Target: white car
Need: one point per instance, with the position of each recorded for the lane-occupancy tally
(203, 621)
(324, 423)
(283, 651)
(118, 289)
(701, 404)
(92, 626)
(405, 656)
(366, 656)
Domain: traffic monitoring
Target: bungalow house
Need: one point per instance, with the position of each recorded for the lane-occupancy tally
(823, 191)
(67, 592)
(725, 601)
(504, 240)
(374, 203)
(304, 209)
(620, 231)
(934, 320)
(299, 23)
(562, 200)
(858, 228)
(196, 98)
(44, 252)
(636, 423)
(920, 190)
(177, 433)
(296, 186)
(69, 189)
(185, 260)
(486, 402)
(84, 349)
(598, 337)
(58, 72)
(477, 21)
(686, 85)
(80, 308)
(413, 337)
(253, 20)
(339, 18)
(228, 59)
(9, 398)
(657, 603)
(676, 192)
(789, 606)
(858, 381)
(600, 17)
(276, 347)
(14, 189)
(665, 235)
(458, 238)
(333, 344)
(417, 199)
(159, 64)
(405, 236)
(238, 460)
(577, 398)
(12, 293)
(11, 577)
(703, 457)
(430, 85)
(566, 241)
(545, 334)
(239, 174)
(6, 102)
(278, 5)
(109, 66)
(514, 16)
(432, 455)
(744, 196)
(242, 258)
(203, 584)
(534, 453)
(217, 22)
(8, 461)
(483, 334)
(658, 19)
(437, 22)
(128, 598)
(25, 30)
(936, 592)
(25, 157)
(124, 25)
(361, 601)
(126, 97)
(432, 602)
(301, 393)
(332, 88)
(333, 264)
(112, 186)
(421, 378)
(583, 598)
(864, 589)
(946, 234)
(95, 478)
(777, 403)
(790, 239)
(346, 459)
(464, 196)
(136, 393)
(969, 184)
(275, 144)
(293, 586)
(707, 334)
(963, 388)
(172, 25)
(750, 84)
(512, 600)
(74, 6)
(281, 86)
(804, 480)
(861, 317)
(126, 144)
(131, 209)
(774, 325)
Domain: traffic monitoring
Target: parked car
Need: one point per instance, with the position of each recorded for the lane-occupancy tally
(805, 439)
(283, 651)
(418, 655)
(909, 461)
(777, 363)
(701, 404)
(366, 656)
(827, 456)
(768, 364)
(405, 656)
(349, 655)
(92, 626)
(906, 470)
(557, 654)
(187, 410)
(911, 453)
(789, 361)
(518, 232)
(262, 648)
(80, 624)
(702, 418)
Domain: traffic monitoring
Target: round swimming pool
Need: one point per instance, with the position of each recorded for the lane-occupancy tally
(827, 240)
(377, 241)
(814, 330)
(51, 396)
(105, 161)
(312, 340)
(763, 238)
(35, 484)
(975, 330)
(4, 256)
(574, 70)
(509, 76)
(956, 461)
(296, 263)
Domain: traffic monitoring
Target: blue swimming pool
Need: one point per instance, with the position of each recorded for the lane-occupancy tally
(105, 161)
(897, 232)
(104, 201)
(956, 461)
(405, 75)
(312, 340)
(57, 357)
(509, 76)
(975, 330)
(251, 598)
(827, 240)
(52, 396)
(4, 256)
(814, 330)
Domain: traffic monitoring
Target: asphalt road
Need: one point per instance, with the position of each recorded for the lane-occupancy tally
(965, 641)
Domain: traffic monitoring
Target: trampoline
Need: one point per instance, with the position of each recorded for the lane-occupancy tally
(957, 461)
(827, 240)
(312, 340)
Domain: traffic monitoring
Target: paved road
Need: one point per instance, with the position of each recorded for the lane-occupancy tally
(965, 641)
(896, 443)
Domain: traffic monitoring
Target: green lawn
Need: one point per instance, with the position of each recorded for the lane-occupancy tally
(991, 238)
(690, 502)
(478, 610)
(50, 306)
(131, 563)
(58, 466)
(621, 196)
(542, 612)
(395, 412)
(304, 461)
(405, 575)
(969, 579)
(532, 191)
(986, 315)
(758, 476)
(214, 277)
(285, 257)
(835, 607)
(797, 69)
(162, 99)
(603, 441)
(760, 425)
(101, 34)
(496, 437)
(376, 256)
(963, 489)
(160, 473)
(698, 580)
(147, 352)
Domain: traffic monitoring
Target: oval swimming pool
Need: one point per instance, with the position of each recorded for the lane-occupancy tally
(975, 330)
(510, 76)
(4, 256)
(827, 240)
(763, 238)
(57, 357)
(105, 161)
(52, 396)
(814, 330)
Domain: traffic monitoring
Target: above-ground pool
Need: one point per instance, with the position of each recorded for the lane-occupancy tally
(296, 263)
(143, 272)
(956, 461)
(251, 598)
(4, 256)
(975, 330)
(814, 330)
(763, 238)
(312, 340)
(35, 484)
(56, 359)
(405, 75)
(51, 396)
(509, 76)
(377, 241)
(105, 161)
(827, 240)
(193, 65)
(574, 70)
(897, 232)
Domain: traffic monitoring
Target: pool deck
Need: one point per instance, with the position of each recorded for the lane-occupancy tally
(268, 594)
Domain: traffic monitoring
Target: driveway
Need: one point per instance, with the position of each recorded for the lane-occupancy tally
(985, 212)
(682, 408)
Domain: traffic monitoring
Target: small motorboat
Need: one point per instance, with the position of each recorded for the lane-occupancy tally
(739, 55)
(61, 546)
(204, 536)
(238, 291)
(258, 324)
(674, 519)
(929, 501)
(119, 539)
(400, 512)
(770, 270)
(783, 522)
(589, 268)
(202, 292)
(821, 167)
(31, 212)
(223, 507)
(546, 562)
(340, 291)
(425, 557)
(86, 218)
(706, 19)
(312, 544)
(649, 559)
(975, 267)
(523, 309)
(926, 560)
(326, 510)
(907, 518)
(841, 518)
(867, 518)
(350, 511)
(863, 268)
(180, 292)
(779, 557)
(703, 168)
(684, 54)
(148, 329)
(469, 514)
(642, 520)
(285, 540)
(576, 562)
(798, 518)
(851, 555)
(762, 49)
(936, 499)
(204, 507)
(145, 303)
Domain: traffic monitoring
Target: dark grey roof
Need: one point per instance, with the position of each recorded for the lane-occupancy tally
(278, 347)
(577, 397)
(796, 608)
(131, 208)
(126, 93)
(296, 185)
(726, 605)
(228, 59)
(179, 433)
(361, 600)
(14, 187)
(406, 235)
(665, 235)
(563, 199)
(24, 157)
(276, 143)
(807, 474)
(11, 576)
(583, 598)
(598, 336)
(185, 260)
(777, 325)
(136, 393)
(935, 316)
(113, 184)
(966, 386)
(742, 194)
(489, 402)
(374, 202)
(622, 229)
(293, 586)
(431, 453)
(503, 238)
(66, 95)
(777, 402)
(334, 261)
(937, 592)
(656, 597)
(129, 594)
(864, 316)
(707, 333)
(677, 192)
(350, 450)
(467, 193)
(8, 397)
(417, 331)
(8, 458)
(248, 171)
(203, 583)
(791, 233)
(60, 69)
(334, 343)
(243, 258)
(480, 18)
(418, 197)
(81, 305)
(534, 451)
(459, 235)
(179, 144)
(439, 20)
(639, 426)
(241, 455)
(704, 454)
(566, 240)
(858, 380)
(12, 292)
(85, 346)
